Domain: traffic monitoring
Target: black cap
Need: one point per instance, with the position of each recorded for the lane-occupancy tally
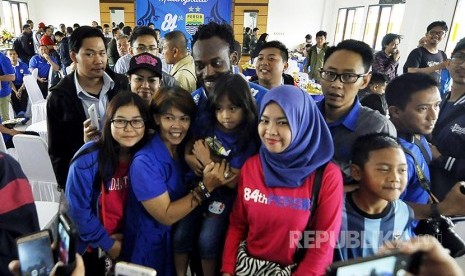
(145, 61)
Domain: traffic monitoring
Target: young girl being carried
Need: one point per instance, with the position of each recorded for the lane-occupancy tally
(230, 134)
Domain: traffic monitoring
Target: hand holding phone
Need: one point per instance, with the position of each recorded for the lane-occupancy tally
(35, 254)
(93, 115)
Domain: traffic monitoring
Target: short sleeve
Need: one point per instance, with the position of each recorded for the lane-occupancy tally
(148, 179)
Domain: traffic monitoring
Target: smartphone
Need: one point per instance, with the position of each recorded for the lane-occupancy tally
(93, 115)
(35, 254)
(392, 264)
(66, 245)
(128, 269)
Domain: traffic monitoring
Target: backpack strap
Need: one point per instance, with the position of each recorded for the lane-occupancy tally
(300, 252)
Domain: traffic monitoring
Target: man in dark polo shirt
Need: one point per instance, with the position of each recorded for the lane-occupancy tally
(346, 70)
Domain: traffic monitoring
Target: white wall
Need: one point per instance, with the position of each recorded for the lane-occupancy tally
(54, 12)
(290, 20)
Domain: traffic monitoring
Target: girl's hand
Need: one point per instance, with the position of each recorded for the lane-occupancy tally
(202, 152)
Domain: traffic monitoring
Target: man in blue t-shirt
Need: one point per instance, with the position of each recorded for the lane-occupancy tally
(7, 74)
(43, 62)
(414, 113)
(19, 96)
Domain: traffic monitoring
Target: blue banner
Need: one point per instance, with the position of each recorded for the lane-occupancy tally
(183, 15)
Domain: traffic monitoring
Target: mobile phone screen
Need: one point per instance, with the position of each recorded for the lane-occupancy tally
(64, 240)
(35, 254)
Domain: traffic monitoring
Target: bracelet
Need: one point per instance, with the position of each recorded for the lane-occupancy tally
(435, 211)
(203, 191)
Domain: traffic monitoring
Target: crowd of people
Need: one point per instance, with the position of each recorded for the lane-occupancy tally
(193, 165)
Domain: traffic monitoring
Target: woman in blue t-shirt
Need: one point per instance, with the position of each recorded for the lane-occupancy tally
(158, 196)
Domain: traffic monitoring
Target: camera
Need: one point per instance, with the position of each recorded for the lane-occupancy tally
(442, 228)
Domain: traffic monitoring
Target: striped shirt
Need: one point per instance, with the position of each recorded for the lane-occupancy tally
(362, 234)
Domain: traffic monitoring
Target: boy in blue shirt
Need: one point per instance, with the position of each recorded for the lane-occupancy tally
(373, 214)
(19, 97)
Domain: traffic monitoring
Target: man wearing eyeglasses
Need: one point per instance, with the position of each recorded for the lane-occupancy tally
(428, 58)
(346, 70)
(448, 151)
(142, 40)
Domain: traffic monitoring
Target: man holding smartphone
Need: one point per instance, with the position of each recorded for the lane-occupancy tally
(91, 83)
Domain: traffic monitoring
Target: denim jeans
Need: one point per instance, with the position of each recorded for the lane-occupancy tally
(206, 225)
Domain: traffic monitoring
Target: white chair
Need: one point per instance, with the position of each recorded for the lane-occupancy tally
(2, 144)
(35, 72)
(33, 157)
(38, 103)
(3, 148)
(293, 66)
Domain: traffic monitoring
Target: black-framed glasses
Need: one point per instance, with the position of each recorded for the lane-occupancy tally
(122, 123)
(460, 58)
(144, 49)
(440, 33)
(344, 77)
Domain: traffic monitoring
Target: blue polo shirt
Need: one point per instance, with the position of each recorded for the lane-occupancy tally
(359, 121)
(41, 63)
(153, 172)
(21, 70)
(5, 69)
(414, 192)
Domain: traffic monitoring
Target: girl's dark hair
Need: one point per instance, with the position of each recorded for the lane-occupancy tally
(108, 146)
(238, 92)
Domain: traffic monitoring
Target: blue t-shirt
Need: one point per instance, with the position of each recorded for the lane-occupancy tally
(5, 69)
(21, 69)
(362, 234)
(41, 63)
(153, 172)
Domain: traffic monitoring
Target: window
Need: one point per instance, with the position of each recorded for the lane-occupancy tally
(457, 29)
(349, 24)
(16, 15)
(381, 20)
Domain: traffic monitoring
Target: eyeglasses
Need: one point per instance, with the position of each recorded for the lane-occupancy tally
(458, 59)
(144, 49)
(440, 33)
(122, 123)
(344, 77)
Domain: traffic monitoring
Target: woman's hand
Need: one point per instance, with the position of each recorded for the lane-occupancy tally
(115, 250)
(202, 152)
(217, 174)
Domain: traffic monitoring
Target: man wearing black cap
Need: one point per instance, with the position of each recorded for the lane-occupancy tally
(144, 74)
